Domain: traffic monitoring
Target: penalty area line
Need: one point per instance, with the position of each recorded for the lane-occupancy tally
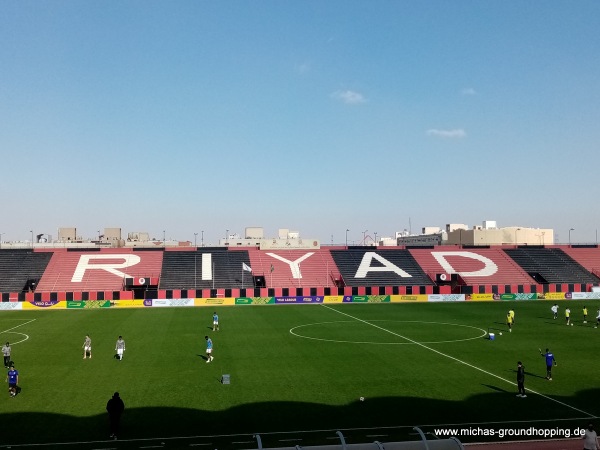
(458, 360)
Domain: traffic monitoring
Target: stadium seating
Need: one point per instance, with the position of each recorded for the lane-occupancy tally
(550, 265)
(205, 268)
(380, 265)
(586, 256)
(17, 267)
(295, 268)
(470, 269)
(98, 273)
(97, 270)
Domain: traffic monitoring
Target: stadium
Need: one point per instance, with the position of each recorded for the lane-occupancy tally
(393, 345)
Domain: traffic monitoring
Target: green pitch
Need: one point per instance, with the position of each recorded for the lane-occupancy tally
(297, 372)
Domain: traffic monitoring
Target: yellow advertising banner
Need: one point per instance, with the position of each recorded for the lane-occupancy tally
(214, 301)
(480, 297)
(553, 296)
(409, 298)
(45, 305)
(333, 299)
(128, 303)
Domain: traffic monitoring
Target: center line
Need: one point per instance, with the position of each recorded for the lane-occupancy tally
(456, 359)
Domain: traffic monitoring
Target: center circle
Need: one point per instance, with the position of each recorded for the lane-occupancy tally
(400, 337)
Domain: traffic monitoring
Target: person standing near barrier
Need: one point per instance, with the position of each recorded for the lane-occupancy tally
(590, 439)
(550, 361)
(585, 312)
(521, 380)
(6, 352)
(115, 408)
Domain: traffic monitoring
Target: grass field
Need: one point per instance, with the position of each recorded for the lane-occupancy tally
(297, 373)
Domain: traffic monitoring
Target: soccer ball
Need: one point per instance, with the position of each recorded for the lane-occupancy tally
(362, 399)
(500, 333)
(571, 324)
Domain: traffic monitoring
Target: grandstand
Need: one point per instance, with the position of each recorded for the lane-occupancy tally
(30, 274)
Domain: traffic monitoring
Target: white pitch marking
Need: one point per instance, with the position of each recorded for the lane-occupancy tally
(9, 330)
(389, 343)
(457, 360)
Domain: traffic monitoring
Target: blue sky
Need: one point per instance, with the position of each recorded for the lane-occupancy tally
(317, 116)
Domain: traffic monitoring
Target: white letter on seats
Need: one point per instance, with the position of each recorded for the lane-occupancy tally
(365, 266)
(489, 266)
(294, 265)
(207, 266)
(84, 264)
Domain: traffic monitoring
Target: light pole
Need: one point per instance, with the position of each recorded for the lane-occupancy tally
(164, 245)
(3, 233)
(460, 237)
(516, 240)
(202, 239)
(375, 233)
(226, 235)
(195, 236)
(365, 237)
(347, 237)
(98, 235)
(571, 229)
(31, 231)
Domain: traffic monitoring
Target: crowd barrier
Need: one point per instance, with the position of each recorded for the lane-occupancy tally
(63, 303)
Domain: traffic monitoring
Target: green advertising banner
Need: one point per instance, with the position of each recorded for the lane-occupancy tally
(370, 299)
(518, 296)
(87, 304)
(254, 300)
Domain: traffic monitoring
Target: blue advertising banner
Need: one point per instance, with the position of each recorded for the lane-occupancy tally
(310, 299)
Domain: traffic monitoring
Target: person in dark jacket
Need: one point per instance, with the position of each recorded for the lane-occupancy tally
(115, 408)
(521, 380)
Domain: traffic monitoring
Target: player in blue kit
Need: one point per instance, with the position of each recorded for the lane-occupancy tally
(13, 380)
(550, 361)
(209, 347)
(215, 322)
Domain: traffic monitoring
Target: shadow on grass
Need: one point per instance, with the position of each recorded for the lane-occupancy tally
(393, 417)
(495, 388)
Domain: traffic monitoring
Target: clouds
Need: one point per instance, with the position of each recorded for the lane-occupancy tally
(349, 97)
(457, 133)
(468, 91)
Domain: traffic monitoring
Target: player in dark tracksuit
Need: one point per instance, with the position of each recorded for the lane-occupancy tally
(521, 380)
